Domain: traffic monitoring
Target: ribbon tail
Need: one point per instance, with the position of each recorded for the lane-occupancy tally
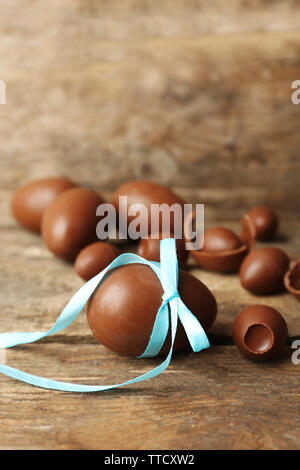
(159, 333)
(194, 330)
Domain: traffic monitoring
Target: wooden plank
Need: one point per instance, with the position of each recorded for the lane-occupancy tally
(117, 19)
(212, 400)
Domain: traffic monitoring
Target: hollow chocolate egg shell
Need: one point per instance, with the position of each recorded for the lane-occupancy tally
(122, 312)
(95, 257)
(260, 332)
(222, 251)
(69, 223)
(292, 279)
(263, 270)
(30, 202)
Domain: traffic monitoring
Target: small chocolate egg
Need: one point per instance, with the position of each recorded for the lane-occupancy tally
(147, 194)
(94, 258)
(292, 279)
(263, 270)
(69, 223)
(260, 332)
(122, 312)
(149, 248)
(222, 250)
(260, 223)
(29, 203)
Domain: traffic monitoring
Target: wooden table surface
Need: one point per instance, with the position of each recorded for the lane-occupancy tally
(215, 399)
(192, 94)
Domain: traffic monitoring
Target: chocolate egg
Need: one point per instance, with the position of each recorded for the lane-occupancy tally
(94, 258)
(222, 250)
(260, 332)
(145, 194)
(292, 279)
(121, 313)
(69, 223)
(29, 203)
(149, 248)
(260, 223)
(263, 270)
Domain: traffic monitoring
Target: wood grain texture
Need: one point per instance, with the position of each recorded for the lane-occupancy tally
(193, 94)
(212, 400)
(105, 99)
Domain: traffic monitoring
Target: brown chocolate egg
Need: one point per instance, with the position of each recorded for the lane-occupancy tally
(260, 332)
(146, 194)
(222, 251)
(149, 248)
(94, 258)
(260, 223)
(122, 312)
(292, 279)
(263, 270)
(29, 203)
(69, 223)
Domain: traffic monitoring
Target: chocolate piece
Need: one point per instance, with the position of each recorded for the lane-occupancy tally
(149, 248)
(263, 270)
(69, 223)
(260, 332)
(260, 223)
(292, 279)
(222, 251)
(121, 313)
(147, 193)
(94, 258)
(29, 203)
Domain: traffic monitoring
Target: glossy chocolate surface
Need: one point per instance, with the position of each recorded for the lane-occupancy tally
(222, 251)
(147, 193)
(121, 313)
(94, 258)
(29, 203)
(220, 239)
(261, 223)
(263, 270)
(69, 223)
(260, 332)
(149, 248)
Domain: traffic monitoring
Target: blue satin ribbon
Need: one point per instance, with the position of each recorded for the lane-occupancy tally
(171, 308)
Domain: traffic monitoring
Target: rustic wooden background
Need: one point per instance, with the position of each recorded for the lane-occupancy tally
(193, 94)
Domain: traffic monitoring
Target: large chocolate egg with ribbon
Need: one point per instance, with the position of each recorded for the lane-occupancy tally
(122, 311)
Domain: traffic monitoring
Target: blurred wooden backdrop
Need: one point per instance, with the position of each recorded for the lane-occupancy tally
(194, 94)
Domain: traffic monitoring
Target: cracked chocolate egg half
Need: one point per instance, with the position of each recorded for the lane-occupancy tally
(292, 279)
(260, 332)
(223, 251)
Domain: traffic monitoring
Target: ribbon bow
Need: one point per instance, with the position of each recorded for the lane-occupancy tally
(172, 308)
